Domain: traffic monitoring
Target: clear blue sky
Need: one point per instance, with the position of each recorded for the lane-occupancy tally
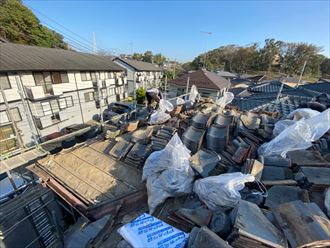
(173, 27)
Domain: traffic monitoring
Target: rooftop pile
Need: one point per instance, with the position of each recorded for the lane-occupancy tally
(221, 177)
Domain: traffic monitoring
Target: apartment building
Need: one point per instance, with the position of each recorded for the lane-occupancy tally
(145, 74)
(47, 89)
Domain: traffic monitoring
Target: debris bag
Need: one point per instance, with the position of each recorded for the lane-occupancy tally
(298, 136)
(227, 98)
(180, 101)
(302, 113)
(281, 125)
(292, 118)
(149, 232)
(168, 172)
(193, 93)
(223, 190)
(160, 116)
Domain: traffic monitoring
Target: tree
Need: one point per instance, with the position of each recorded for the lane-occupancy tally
(159, 59)
(19, 25)
(137, 56)
(325, 68)
(148, 57)
(140, 95)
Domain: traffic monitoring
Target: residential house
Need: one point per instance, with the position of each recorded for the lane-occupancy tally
(53, 88)
(144, 74)
(209, 84)
(227, 75)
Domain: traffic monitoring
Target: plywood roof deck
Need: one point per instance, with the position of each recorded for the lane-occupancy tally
(91, 174)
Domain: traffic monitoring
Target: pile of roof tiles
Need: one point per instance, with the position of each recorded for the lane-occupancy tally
(286, 189)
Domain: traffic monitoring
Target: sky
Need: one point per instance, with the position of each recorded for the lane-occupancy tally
(176, 28)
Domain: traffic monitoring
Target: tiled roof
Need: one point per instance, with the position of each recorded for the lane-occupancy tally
(202, 79)
(321, 87)
(16, 57)
(140, 65)
(269, 87)
(226, 74)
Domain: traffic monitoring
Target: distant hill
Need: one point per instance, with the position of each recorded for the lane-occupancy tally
(18, 24)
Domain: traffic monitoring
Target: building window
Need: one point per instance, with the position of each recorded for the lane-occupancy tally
(94, 76)
(69, 101)
(7, 139)
(65, 102)
(85, 76)
(46, 109)
(4, 81)
(89, 96)
(64, 77)
(4, 118)
(60, 77)
(56, 78)
(44, 79)
(109, 75)
(16, 114)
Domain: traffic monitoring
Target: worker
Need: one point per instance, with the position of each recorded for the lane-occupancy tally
(153, 95)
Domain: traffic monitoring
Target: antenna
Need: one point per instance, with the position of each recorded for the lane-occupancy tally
(94, 43)
(207, 33)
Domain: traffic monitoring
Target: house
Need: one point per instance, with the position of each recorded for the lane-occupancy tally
(227, 75)
(209, 84)
(145, 74)
(47, 89)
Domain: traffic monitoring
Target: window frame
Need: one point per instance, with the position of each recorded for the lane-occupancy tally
(5, 75)
(90, 100)
(67, 77)
(19, 114)
(85, 73)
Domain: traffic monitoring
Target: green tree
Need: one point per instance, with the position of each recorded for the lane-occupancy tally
(19, 25)
(148, 57)
(325, 68)
(137, 56)
(140, 95)
(159, 59)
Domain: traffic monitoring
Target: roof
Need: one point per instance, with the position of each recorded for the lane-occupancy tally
(320, 87)
(17, 57)
(269, 87)
(140, 65)
(202, 79)
(226, 74)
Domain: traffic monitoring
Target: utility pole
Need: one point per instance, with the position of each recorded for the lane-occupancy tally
(8, 110)
(94, 44)
(165, 87)
(134, 89)
(26, 109)
(302, 72)
(187, 89)
(100, 99)
(206, 33)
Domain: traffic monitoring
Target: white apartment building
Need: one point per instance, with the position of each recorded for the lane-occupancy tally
(54, 88)
(145, 74)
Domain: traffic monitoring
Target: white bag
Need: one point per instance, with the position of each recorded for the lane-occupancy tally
(298, 136)
(168, 173)
(160, 116)
(221, 191)
(193, 93)
(227, 98)
(149, 232)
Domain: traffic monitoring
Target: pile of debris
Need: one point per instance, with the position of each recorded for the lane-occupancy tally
(265, 210)
(214, 179)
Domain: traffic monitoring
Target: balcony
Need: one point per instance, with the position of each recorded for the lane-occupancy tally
(49, 120)
(35, 92)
